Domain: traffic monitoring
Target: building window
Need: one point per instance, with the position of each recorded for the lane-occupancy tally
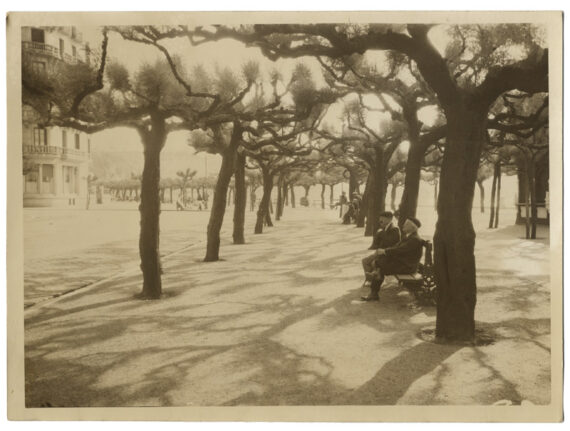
(74, 52)
(32, 179)
(38, 35)
(39, 67)
(47, 173)
(47, 179)
(40, 136)
(64, 138)
(77, 144)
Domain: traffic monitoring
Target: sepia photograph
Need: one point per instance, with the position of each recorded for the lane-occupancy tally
(357, 212)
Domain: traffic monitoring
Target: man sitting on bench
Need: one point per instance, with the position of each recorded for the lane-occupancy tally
(387, 236)
(403, 258)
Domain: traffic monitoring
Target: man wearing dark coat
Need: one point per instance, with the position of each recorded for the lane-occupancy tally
(403, 258)
(386, 236)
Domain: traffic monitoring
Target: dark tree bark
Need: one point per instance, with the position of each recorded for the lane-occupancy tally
(454, 239)
(285, 194)
(331, 196)
(279, 198)
(416, 152)
(268, 222)
(263, 210)
(377, 194)
(240, 200)
(252, 197)
(498, 205)
(323, 187)
(153, 140)
(352, 182)
(220, 194)
(292, 187)
(493, 197)
(481, 196)
(532, 193)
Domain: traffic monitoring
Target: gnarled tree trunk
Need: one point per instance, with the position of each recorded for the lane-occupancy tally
(493, 194)
(409, 201)
(532, 192)
(352, 183)
(292, 187)
(263, 210)
(285, 194)
(220, 194)
(153, 140)
(377, 194)
(498, 205)
(240, 200)
(454, 239)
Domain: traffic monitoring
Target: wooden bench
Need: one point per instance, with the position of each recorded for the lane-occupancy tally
(421, 283)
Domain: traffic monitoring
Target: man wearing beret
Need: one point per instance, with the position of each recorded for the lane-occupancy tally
(403, 258)
(386, 236)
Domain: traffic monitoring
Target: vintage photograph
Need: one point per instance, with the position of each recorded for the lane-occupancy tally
(285, 210)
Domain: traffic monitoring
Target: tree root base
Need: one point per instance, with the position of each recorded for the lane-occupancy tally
(483, 337)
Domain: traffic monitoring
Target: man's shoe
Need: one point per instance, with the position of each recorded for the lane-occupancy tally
(368, 298)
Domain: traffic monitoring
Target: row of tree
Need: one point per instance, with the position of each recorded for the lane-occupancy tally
(489, 105)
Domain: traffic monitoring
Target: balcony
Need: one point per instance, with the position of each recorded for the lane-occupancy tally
(44, 49)
(49, 150)
(70, 153)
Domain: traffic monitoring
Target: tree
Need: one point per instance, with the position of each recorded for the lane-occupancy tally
(484, 172)
(184, 179)
(402, 92)
(374, 147)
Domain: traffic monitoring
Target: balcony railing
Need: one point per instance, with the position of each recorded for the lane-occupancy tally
(43, 149)
(55, 151)
(52, 51)
(74, 153)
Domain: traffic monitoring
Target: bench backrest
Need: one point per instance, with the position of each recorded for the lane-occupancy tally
(428, 260)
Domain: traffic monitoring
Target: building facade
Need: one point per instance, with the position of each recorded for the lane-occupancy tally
(55, 159)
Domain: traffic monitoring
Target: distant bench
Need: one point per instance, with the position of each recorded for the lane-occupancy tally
(421, 283)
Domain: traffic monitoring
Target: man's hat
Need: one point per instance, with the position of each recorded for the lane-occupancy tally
(415, 221)
(386, 214)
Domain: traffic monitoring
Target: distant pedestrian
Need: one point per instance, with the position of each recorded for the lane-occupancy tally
(180, 203)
